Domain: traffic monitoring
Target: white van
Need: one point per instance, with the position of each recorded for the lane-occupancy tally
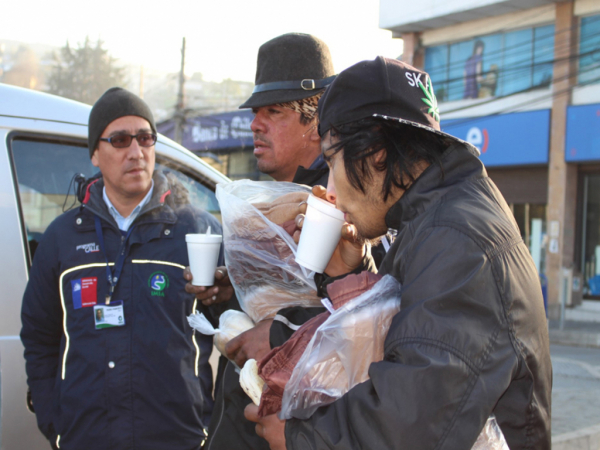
(43, 145)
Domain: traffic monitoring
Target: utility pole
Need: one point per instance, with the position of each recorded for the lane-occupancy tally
(179, 114)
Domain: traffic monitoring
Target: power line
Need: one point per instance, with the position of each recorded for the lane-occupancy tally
(505, 71)
(496, 99)
(515, 27)
(514, 108)
(503, 51)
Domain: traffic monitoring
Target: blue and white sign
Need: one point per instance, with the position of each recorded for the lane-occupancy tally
(583, 133)
(506, 140)
(219, 131)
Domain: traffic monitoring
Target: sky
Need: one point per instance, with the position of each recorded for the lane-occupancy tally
(222, 37)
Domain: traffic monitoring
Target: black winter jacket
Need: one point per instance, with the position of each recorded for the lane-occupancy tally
(145, 385)
(470, 339)
(229, 428)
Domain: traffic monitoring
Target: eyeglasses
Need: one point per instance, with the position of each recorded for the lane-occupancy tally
(124, 140)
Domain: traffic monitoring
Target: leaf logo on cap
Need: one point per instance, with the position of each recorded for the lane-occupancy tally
(430, 100)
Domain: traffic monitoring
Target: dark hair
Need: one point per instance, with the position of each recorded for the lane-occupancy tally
(305, 120)
(404, 145)
(478, 44)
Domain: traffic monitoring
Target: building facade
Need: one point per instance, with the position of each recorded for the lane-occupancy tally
(520, 79)
(223, 140)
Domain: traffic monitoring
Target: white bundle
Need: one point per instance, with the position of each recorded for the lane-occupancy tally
(231, 324)
(251, 382)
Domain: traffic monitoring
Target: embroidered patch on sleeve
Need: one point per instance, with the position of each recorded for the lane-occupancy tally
(84, 292)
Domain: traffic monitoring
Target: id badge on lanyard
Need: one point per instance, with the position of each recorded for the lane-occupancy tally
(111, 314)
(108, 316)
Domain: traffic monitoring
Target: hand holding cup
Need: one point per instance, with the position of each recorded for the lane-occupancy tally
(203, 254)
(350, 249)
(221, 291)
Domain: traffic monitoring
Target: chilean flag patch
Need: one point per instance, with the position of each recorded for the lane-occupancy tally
(84, 292)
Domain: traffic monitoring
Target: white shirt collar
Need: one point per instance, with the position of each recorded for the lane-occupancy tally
(125, 222)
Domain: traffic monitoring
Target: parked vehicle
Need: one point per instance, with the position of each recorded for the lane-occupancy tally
(43, 146)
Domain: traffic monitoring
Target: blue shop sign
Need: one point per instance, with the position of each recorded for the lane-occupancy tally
(219, 131)
(508, 139)
(583, 133)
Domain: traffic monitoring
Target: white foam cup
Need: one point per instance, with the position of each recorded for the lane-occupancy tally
(203, 253)
(321, 232)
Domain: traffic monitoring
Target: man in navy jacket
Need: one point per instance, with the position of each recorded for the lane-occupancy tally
(111, 361)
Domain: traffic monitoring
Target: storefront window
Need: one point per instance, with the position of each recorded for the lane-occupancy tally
(589, 49)
(436, 63)
(494, 65)
(531, 219)
(590, 258)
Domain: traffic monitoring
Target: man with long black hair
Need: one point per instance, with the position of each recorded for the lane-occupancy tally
(470, 339)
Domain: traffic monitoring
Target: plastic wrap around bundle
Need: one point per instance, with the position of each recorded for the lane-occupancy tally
(232, 323)
(259, 253)
(491, 437)
(340, 352)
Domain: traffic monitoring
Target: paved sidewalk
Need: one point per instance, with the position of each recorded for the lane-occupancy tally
(581, 326)
(575, 352)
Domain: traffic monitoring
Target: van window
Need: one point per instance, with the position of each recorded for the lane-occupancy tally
(201, 196)
(45, 168)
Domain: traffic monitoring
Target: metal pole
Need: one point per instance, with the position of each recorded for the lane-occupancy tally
(563, 300)
(586, 180)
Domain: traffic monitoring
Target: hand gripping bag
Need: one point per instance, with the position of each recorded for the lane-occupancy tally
(340, 352)
(259, 252)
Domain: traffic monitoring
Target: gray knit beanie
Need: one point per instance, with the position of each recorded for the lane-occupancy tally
(114, 103)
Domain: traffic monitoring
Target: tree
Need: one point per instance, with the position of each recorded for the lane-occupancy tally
(25, 69)
(84, 73)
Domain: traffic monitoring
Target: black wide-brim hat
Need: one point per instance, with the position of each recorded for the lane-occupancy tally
(290, 67)
(386, 89)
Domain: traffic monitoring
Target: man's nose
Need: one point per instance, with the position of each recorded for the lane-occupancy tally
(135, 150)
(257, 124)
(330, 195)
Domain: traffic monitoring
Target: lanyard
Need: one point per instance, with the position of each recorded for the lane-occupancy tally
(113, 276)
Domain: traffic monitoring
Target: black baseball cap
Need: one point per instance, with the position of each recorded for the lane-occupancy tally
(383, 88)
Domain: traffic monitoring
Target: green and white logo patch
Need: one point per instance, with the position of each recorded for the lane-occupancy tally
(158, 282)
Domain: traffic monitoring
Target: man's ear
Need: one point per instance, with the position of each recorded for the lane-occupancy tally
(95, 161)
(314, 133)
(380, 156)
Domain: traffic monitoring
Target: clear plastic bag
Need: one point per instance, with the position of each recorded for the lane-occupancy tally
(259, 253)
(491, 437)
(339, 354)
(231, 324)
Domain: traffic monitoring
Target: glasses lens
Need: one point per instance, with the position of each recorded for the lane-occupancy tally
(120, 140)
(146, 139)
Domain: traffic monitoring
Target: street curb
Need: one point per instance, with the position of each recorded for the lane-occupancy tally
(584, 439)
(576, 338)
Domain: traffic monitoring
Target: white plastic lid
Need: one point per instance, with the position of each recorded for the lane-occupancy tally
(325, 207)
(204, 238)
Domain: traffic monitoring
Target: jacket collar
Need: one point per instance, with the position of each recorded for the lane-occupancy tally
(458, 164)
(156, 210)
(317, 173)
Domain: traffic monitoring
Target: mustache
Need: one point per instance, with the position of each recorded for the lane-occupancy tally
(136, 166)
(261, 138)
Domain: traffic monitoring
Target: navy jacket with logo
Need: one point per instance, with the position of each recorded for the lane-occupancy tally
(145, 385)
